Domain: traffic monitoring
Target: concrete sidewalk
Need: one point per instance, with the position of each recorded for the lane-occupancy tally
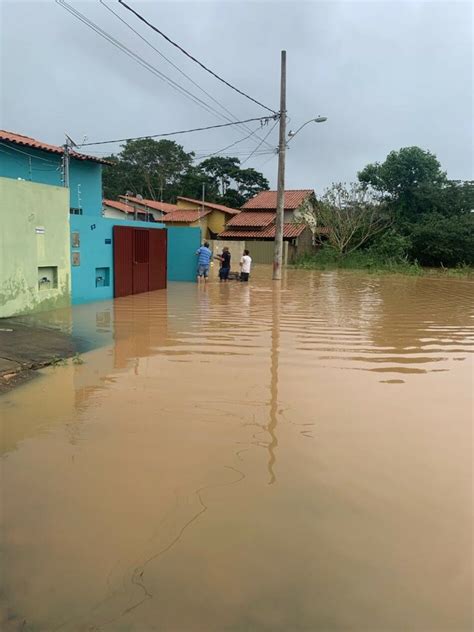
(24, 348)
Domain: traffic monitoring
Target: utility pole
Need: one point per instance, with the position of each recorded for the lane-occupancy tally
(280, 210)
(66, 162)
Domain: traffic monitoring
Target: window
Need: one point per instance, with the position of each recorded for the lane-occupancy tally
(75, 240)
(75, 211)
(102, 277)
(47, 277)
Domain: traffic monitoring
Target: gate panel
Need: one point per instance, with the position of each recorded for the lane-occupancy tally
(123, 259)
(141, 258)
(158, 267)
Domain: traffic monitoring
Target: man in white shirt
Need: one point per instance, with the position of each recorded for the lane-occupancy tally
(245, 265)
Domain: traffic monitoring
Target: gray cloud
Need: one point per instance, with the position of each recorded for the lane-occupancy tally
(387, 75)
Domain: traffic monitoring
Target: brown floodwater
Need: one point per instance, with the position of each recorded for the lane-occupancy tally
(247, 458)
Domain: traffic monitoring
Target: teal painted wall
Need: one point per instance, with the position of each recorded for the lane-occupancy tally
(44, 167)
(182, 246)
(86, 193)
(34, 232)
(96, 253)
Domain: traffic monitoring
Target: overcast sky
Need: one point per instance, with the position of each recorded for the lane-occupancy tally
(386, 74)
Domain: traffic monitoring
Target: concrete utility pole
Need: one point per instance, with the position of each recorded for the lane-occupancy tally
(280, 210)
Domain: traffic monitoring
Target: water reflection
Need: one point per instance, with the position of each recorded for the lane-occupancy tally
(156, 484)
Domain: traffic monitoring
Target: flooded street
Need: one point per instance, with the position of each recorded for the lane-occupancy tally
(244, 458)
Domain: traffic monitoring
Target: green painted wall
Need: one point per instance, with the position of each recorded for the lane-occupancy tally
(34, 232)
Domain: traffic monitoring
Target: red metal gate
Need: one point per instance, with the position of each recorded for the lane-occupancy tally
(139, 260)
(158, 254)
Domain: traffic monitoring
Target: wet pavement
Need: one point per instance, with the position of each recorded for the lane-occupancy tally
(235, 457)
(25, 346)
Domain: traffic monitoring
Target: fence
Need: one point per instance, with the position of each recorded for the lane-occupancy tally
(260, 251)
(263, 251)
(236, 249)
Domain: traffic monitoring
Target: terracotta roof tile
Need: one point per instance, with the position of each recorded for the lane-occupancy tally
(211, 205)
(164, 207)
(27, 141)
(184, 215)
(121, 206)
(249, 218)
(266, 200)
(290, 231)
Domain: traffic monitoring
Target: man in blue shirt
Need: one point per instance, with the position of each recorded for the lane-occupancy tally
(204, 256)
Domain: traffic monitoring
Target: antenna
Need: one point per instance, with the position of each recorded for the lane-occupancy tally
(70, 141)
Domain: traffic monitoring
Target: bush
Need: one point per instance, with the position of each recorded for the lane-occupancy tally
(443, 241)
(390, 246)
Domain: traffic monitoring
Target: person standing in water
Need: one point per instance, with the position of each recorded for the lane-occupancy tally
(245, 266)
(224, 258)
(204, 256)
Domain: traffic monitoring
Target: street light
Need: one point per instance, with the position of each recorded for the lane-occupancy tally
(318, 119)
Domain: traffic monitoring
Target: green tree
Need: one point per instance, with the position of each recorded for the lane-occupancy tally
(164, 170)
(149, 167)
(191, 183)
(222, 169)
(250, 182)
(438, 240)
(235, 185)
(411, 179)
(353, 216)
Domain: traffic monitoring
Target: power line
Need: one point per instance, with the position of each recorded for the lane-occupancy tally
(236, 154)
(175, 66)
(264, 138)
(140, 60)
(168, 39)
(27, 154)
(275, 153)
(219, 151)
(183, 131)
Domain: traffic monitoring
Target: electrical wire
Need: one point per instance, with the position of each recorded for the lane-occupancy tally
(140, 60)
(168, 39)
(275, 153)
(176, 67)
(219, 151)
(258, 146)
(27, 154)
(183, 131)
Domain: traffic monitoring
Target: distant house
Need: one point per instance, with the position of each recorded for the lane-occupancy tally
(256, 225)
(298, 202)
(209, 217)
(119, 210)
(141, 205)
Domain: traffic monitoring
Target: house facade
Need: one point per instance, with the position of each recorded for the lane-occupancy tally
(35, 270)
(65, 250)
(115, 209)
(149, 208)
(256, 225)
(210, 218)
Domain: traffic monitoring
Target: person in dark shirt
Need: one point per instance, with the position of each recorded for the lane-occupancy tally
(224, 258)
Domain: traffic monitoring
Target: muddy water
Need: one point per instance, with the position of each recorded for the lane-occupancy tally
(240, 458)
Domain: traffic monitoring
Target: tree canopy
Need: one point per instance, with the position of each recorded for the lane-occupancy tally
(163, 170)
(403, 209)
(431, 214)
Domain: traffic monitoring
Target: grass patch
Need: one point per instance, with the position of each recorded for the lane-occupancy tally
(328, 259)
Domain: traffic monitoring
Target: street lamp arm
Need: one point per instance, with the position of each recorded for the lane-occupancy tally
(318, 119)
